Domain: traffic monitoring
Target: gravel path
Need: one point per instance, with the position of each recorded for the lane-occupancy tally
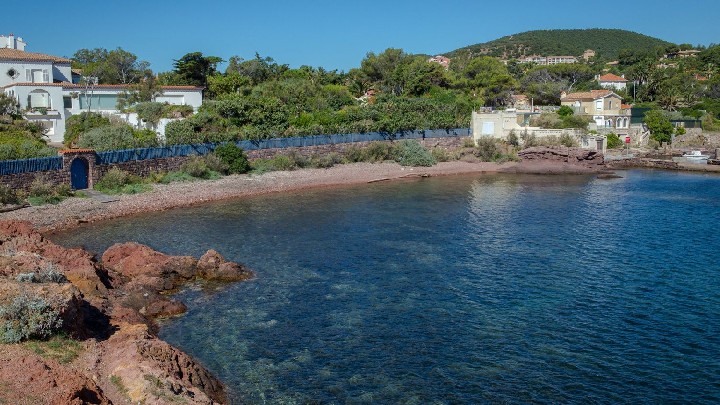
(74, 211)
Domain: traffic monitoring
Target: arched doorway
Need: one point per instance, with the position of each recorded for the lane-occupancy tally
(79, 170)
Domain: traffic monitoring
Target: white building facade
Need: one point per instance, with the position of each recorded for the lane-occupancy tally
(42, 85)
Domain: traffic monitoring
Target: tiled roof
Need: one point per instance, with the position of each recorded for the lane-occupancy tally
(625, 106)
(15, 54)
(611, 78)
(588, 95)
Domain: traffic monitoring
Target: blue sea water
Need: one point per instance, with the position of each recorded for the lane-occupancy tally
(458, 290)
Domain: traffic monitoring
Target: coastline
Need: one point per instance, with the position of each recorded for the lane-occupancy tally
(76, 211)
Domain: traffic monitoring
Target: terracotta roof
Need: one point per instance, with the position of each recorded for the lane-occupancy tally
(611, 78)
(588, 95)
(25, 84)
(625, 106)
(15, 54)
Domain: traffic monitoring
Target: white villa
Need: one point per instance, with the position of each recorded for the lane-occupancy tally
(43, 86)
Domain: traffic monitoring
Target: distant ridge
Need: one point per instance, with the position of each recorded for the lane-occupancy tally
(606, 42)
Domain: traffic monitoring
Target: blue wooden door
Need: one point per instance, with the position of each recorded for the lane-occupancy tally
(79, 174)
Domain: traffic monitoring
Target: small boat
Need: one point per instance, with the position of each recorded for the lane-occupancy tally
(695, 155)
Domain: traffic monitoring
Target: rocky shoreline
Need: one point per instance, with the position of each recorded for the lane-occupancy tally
(110, 305)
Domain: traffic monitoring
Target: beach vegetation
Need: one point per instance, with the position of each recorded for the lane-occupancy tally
(44, 192)
(409, 152)
(118, 181)
(234, 157)
(59, 347)
(8, 195)
(80, 123)
(614, 141)
(27, 316)
(661, 129)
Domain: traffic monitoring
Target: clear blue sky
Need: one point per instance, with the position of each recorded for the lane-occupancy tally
(333, 34)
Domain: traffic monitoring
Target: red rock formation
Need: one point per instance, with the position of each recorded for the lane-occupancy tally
(559, 160)
(112, 306)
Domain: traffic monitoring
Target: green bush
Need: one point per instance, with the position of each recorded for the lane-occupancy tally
(486, 150)
(44, 192)
(177, 176)
(326, 160)
(411, 153)
(512, 139)
(216, 164)
(196, 167)
(568, 140)
(8, 195)
(528, 139)
(234, 157)
(117, 181)
(113, 180)
(442, 154)
(83, 122)
(181, 133)
(28, 316)
(145, 138)
(379, 152)
(110, 137)
(613, 141)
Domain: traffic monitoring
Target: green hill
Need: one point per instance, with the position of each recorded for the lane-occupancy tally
(606, 42)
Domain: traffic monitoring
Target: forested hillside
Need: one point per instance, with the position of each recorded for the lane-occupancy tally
(606, 42)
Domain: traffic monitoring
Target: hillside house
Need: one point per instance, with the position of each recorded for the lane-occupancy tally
(44, 88)
(548, 60)
(603, 106)
(441, 60)
(611, 81)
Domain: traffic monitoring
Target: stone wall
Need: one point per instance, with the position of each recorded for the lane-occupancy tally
(648, 163)
(23, 181)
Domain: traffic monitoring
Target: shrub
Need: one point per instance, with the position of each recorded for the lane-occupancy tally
(113, 180)
(117, 181)
(326, 160)
(110, 137)
(43, 192)
(613, 141)
(216, 164)
(283, 162)
(441, 154)
(181, 133)
(411, 153)
(28, 316)
(59, 347)
(528, 139)
(172, 177)
(85, 121)
(379, 152)
(234, 157)
(486, 150)
(8, 195)
(145, 138)
(150, 112)
(197, 167)
(568, 140)
(468, 143)
(512, 138)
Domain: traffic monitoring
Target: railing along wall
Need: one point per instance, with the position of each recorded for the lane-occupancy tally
(9, 167)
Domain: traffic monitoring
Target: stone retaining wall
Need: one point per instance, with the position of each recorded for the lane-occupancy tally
(647, 163)
(22, 181)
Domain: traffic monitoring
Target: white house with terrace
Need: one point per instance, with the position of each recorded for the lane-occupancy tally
(43, 87)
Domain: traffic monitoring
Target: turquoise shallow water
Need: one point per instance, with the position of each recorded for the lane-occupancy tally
(481, 289)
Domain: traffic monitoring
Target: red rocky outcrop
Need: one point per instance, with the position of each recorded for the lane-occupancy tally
(111, 305)
(559, 160)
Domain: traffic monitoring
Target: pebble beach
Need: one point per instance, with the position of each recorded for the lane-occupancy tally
(77, 210)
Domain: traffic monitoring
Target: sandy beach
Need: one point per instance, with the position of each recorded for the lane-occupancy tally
(75, 211)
